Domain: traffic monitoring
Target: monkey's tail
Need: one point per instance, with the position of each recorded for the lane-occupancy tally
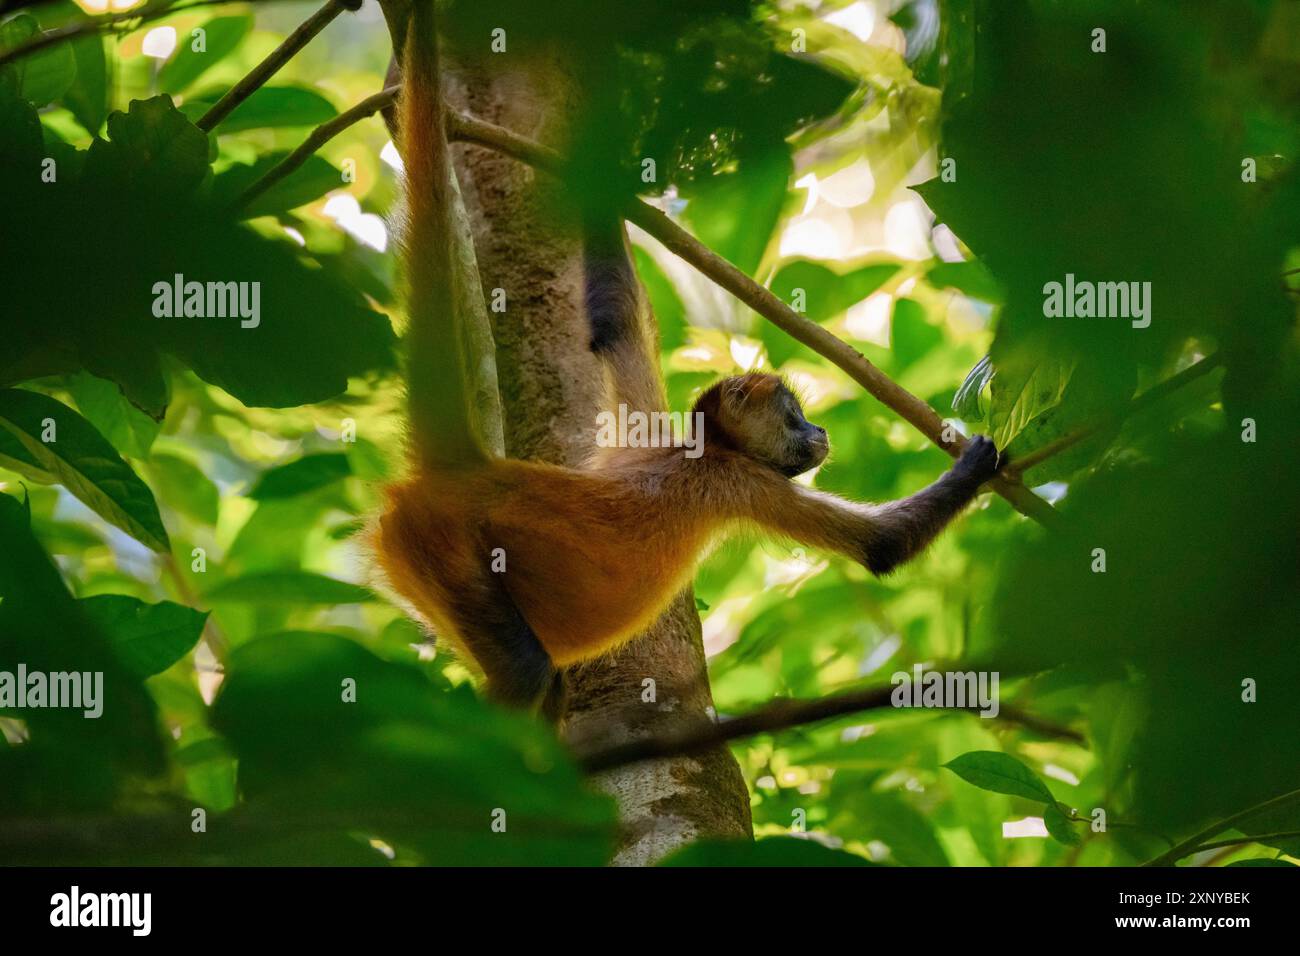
(444, 433)
(621, 335)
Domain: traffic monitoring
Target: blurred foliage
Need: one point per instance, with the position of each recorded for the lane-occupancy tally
(196, 530)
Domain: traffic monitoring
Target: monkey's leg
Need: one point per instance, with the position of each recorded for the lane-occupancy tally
(519, 672)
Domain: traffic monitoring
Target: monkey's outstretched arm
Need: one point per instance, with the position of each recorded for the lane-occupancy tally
(879, 536)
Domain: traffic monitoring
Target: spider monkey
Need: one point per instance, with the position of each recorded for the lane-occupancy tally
(531, 568)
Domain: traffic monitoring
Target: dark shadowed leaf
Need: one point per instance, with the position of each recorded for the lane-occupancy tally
(306, 474)
(39, 77)
(149, 638)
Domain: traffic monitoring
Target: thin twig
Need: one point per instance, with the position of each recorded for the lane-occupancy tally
(278, 57)
(1238, 841)
(319, 137)
(71, 31)
(1023, 463)
(1195, 840)
(682, 244)
(782, 715)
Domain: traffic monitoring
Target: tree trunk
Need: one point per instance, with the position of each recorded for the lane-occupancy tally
(551, 390)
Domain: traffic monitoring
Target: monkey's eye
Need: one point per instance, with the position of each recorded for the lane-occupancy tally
(793, 420)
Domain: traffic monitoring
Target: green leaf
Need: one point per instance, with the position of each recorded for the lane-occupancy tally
(1022, 390)
(826, 292)
(150, 147)
(127, 428)
(72, 759)
(1060, 827)
(84, 462)
(735, 215)
(223, 35)
(327, 732)
(310, 181)
(771, 851)
(308, 473)
(971, 278)
(289, 587)
(41, 77)
(991, 770)
(270, 106)
(149, 638)
(184, 487)
(87, 98)
(911, 335)
(907, 832)
(966, 402)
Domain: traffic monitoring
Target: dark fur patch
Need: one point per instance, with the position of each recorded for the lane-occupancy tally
(611, 300)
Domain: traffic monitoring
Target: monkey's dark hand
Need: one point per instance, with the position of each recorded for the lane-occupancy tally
(978, 462)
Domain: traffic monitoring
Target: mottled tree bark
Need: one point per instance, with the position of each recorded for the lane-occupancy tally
(551, 390)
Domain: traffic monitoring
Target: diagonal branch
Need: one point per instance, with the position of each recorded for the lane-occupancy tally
(91, 25)
(319, 137)
(782, 715)
(1193, 842)
(277, 58)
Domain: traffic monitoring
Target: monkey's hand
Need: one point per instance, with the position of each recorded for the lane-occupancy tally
(979, 461)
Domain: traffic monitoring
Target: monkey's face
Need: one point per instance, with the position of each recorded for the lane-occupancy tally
(768, 423)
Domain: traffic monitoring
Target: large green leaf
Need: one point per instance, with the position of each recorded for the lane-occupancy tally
(222, 36)
(827, 293)
(310, 181)
(127, 429)
(40, 77)
(269, 106)
(88, 97)
(83, 461)
(183, 486)
(1023, 390)
(291, 587)
(331, 738)
(735, 215)
(70, 760)
(297, 477)
(149, 638)
(150, 147)
(1001, 773)
(141, 197)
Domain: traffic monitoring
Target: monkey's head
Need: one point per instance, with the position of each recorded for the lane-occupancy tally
(759, 415)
